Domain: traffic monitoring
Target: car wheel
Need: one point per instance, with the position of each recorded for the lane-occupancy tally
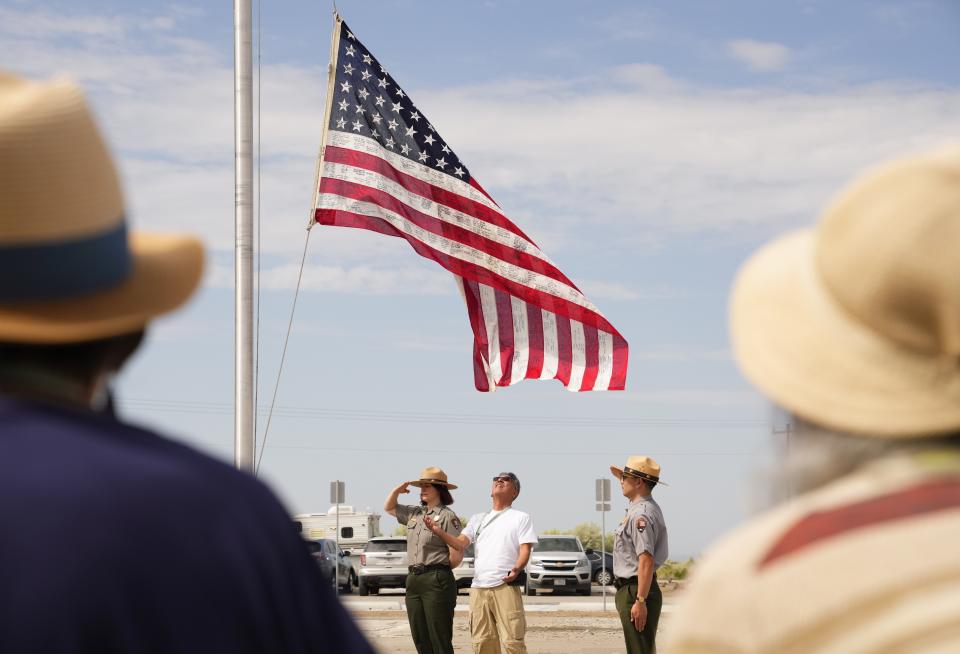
(531, 591)
(584, 591)
(347, 586)
(363, 588)
(374, 590)
(604, 577)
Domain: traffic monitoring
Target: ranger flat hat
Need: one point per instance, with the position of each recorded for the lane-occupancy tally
(69, 270)
(640, 467)
(855, 324)
(430, 476)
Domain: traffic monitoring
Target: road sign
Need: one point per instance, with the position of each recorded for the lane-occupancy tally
(603, 494)
(338, 492)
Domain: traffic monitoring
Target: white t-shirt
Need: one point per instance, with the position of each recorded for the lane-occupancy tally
(496, 550)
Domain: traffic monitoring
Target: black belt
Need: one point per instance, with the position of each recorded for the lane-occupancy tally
(620, 582)
(420, 568)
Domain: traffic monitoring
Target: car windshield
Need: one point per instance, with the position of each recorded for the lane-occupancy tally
(557, 545)
(387, 546)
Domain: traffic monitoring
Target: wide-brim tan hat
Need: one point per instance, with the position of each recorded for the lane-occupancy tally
(430, 476)
(69, 271)
(855, 325)
(639, 467)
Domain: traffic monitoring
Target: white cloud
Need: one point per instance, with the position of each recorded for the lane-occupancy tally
(645, 76)
(44, 24)
(335, 279)
(602, 290)
(588, 167)
(762, 56)
(680, 354)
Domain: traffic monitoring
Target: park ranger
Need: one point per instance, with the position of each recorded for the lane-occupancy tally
(639, 548)
(431, 587)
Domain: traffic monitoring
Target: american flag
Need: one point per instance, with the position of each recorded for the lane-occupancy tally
(383, 167)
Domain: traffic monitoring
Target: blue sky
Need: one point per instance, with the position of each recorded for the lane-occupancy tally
(647, 147)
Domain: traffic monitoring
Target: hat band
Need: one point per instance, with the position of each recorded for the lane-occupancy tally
(435, 481)
(65, 269)
(641, 475)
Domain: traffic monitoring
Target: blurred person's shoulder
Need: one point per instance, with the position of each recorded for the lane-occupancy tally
(847, 563)
(105, 465)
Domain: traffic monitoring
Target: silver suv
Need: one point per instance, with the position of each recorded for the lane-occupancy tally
(383, 564)
(558, 563)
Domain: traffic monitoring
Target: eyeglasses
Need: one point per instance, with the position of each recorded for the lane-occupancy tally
(503, 479)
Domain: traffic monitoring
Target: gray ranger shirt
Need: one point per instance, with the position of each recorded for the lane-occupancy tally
(424, 546)
(641, 530)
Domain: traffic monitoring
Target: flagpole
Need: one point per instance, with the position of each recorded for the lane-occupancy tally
(243, 233)
(328, 109)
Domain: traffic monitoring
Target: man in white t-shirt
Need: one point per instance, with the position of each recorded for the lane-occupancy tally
(502, 541)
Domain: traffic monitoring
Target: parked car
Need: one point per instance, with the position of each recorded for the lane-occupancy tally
(601, 574)
(559, 563)
(383, 564)
(332, 560)
(463, 573)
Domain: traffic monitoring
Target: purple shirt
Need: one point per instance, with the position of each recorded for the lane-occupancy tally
(114, 539)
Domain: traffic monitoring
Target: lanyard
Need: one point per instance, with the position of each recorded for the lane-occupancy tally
(488, 523)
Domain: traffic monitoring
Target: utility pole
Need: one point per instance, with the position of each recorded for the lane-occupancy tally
(787, 433)
(602, 491)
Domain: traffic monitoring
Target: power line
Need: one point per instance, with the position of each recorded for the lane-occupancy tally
(422, 417)
(554, 451)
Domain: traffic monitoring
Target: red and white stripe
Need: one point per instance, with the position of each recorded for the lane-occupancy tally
(529, 320)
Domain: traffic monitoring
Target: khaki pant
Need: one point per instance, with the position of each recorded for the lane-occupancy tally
(496, 615)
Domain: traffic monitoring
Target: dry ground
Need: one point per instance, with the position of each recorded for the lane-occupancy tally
(547, 633)
(555, 632)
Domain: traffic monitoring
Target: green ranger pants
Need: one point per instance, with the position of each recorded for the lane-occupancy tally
(431, 598)
(640, 642)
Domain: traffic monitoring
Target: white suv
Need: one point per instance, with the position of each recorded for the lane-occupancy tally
(383, 564)
(558, 563)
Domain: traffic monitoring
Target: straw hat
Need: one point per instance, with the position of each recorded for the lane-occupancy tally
(68, 271)
(855, 325)
(430, 476)
(641, 467)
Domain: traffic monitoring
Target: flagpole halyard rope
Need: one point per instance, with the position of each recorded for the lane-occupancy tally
(283, 355)
(331, 75)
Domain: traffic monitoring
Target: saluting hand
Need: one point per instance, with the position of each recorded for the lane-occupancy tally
(402, 488)
(638, 615)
